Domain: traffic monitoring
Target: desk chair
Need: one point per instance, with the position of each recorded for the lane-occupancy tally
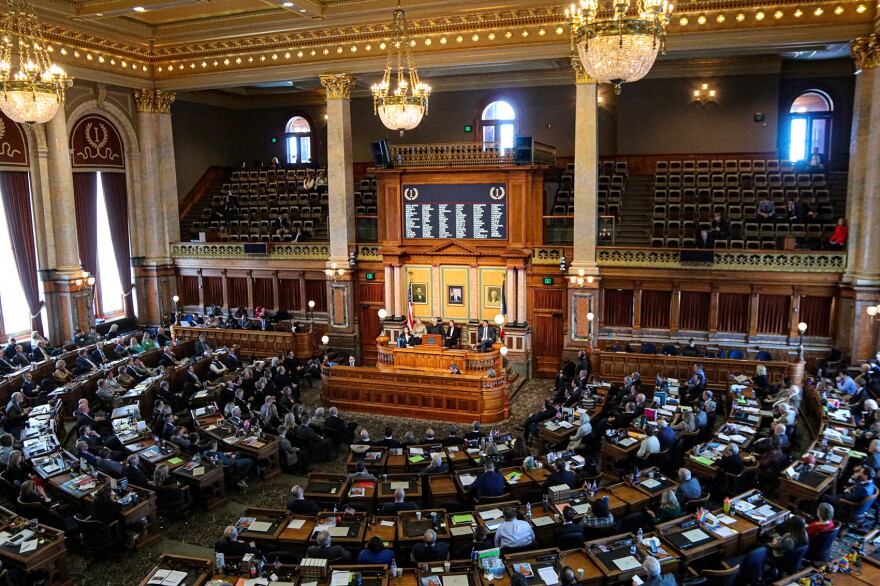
(790, 562)
(819, 551)
(492, 499)
(99, 539)
(691, 506)
(854, 513)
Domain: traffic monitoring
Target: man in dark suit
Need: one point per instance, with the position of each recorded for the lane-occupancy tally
(162, 338)
(99, 356)
(343, 429)
(399, 504)
(489, 482)
(168, 358)
(389, 441)
(436, 327)
(486, 336)
(731, 461)
(233, 362)
(133, 472)
(326, 551)
(862, 480)
(192, 378)
(9, 349)
(530, 425)
(20, 359)
(203, 346)
(793, 211)
(6, 367)
(109, 466)
(300, 505)
(83, 363)
(562, 476)
(263, 325)
(121, 350)
(39, 353)
(569, 527)
(232, 548)
(705, 240)
(430, 550)
(452, 334)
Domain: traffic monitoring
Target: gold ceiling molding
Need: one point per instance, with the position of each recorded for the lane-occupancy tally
(580, 74)
(338, 85)
(866, 52)
(154, 101)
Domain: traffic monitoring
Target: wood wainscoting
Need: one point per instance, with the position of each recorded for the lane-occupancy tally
(255, 342)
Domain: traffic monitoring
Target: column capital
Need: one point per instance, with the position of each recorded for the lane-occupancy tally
(866, 52)
(580, 74)
(338, 85)
(155, 101)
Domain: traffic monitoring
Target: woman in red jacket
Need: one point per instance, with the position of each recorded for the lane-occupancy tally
(838, 239)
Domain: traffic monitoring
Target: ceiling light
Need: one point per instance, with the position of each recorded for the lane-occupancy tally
(442, 40)
(740, 17)
(326, 51)
(427, 42)
(778, 14)
(559, 30)
(720, 18)
(458, 39)
(299, 53)
(287, 4)
(759, 15)
(861, 8)
(354, 49)
(100, 58)
(542, 32)
(701, 20)
(339, 49)
(139, 9)
(382, 46)
(684, 21)
(491, 36)
(302, 9)
(525, 34)
(819, 12)
(508, 34)
(798, 13)
(287, 55)
(369, 47)
(475, 38)
(838, 10)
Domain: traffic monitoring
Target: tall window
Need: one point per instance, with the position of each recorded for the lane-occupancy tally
(299, 140)
(109, 285)
(809, 125)
(13, 305)
(498, 123)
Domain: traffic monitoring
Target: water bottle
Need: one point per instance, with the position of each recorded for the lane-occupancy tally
(528, 511)
(636, 475)
(545, 501)
(632, 549)
(394, 566)
(640, 535)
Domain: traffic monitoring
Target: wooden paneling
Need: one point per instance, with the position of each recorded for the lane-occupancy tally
(733, 312)
(371, 298)
(816, 313)
(255, 341)
(212, 287)
(317, 291)
(237, 290)
(549, 299)
(188, 290)
(694, 313)
(432, 358)
(264, 295)
(547, 340)
(289, 293)
(774, 314)
(655, 309)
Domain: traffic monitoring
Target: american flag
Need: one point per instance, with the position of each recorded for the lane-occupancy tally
(503, 306)
(409, 309)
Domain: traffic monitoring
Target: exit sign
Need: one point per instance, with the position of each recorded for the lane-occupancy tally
(468, 128)
(548, 280)
(274, 140)
(371, 276)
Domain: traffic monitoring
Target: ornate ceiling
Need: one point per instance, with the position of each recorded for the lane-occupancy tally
(197, 44)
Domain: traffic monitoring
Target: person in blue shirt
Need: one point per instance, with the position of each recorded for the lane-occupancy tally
(689, 488)
(846, 384)
(665, 434)
(862, 481)
(241, 466)
(376, 553)
(489, 483)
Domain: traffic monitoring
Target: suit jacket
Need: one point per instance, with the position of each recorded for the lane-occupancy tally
(21, 359)
(404, 341)
(111, 467)
(454, 335)
(202, 347)
(709, 242)
(389, 509)
(38, 355)
(85, 364)
(6, 367)
(303, 507)
(121, 351)
(136, 477)
(436, 330)
(486, 332)
(234, 549)
(99, 356)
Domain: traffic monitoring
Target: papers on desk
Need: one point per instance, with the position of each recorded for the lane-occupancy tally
(256, 582)
(841, 415)
(338, 531)
(743, 506)
(766, 511)
(455, 580)
(296, 524)
(260, 526)
(835, 458)
(29, 546)
(727, 520)
(490, 514)
(466, 479)
(725, 532)
(740, 439)
(541, 521)
(627, 442)
(695, 535)
(826, 469)
(198, 471)
(627, 563)
(167, 578)
(549, 576)
(324, 526)
(340, 578)
(415, 451)
(461, 530)
(386, 523)
(650, 483)
(396, 485)
(524, 568)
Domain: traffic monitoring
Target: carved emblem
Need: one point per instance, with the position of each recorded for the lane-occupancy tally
(97, 138)
(6, 149)
(411, 193)
(497, 192)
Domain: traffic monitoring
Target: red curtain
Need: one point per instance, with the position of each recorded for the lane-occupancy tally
(655, 309)
(212, 289)
(774, 314)
(16, 189)
(694, 311)
(85, 197)
(288, 291)
(116, 199)
(236, 290)
(264, 294)
(618, 307)
(317, 291)
(188, 290)
(733, 312)
(816, 313)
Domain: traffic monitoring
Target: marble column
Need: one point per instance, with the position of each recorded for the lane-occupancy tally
(168, 175)
(586, 171)
(510, 292)
(863, 202)
(340, 174)
(389, 290)
(399, 309)
(521, 296)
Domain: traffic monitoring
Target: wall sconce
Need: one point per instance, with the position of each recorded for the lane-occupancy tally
(873, 311)
(90, 281)
(802, 328)
(504, 350)
(562, 266)
(311, 313)
(499, 319)
(325, 341)
(704, 95)
(382, 313)
(352, 260)
(333, 272)
(591, 317)
(176, 299)
(580, 280)
(78, 282)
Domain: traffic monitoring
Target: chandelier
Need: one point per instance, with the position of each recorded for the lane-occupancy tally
(34, 90)
(620, 46)
(402, 108)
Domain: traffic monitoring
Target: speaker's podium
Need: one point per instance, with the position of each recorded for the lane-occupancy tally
(417, 382)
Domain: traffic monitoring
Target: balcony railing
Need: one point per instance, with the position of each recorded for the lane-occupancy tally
(275, 251)
(465, 154)
(786, 261)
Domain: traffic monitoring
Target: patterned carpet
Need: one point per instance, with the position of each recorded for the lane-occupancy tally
(196, 534)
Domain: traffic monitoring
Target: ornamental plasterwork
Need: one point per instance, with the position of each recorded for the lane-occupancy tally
(724, 260)
(866, 52)
(338, 85)
(156, 101)
(235, 251)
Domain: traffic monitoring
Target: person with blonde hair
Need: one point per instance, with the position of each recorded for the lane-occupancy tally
(669, 509)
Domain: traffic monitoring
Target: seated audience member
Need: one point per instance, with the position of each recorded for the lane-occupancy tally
(562, 476)
(705, 240)
(731, 461)
(162, 477)
(452, 334)
(513, 532)
(437, 465)
(684, 422)
(105, 508)
(824, 520)
(299, 504)
(361, 473)
(598, 516)
(689, 488)
(231, 547)
(665, 434)
(61, 374)
(569, 527)
(419, 330)
(429, 549)
(837, 241)
(861, 486)
(766, 212)
(323, 549)
(489, 483)
(399, 504)
(406, 339)
(669, 509)
(486, 336)
(240, 466)
(691, 350)
(133, 472)
(376, 553)
(720, 228)
(482, 539)
(650, 445)
(653, 575)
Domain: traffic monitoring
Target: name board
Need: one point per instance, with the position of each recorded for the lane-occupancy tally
(472, 210)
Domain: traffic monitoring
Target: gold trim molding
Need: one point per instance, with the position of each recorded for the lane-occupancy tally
(338, 85)
(580, 74)
(724, 260)
(232, 251)
(866, 52)
(154, 101)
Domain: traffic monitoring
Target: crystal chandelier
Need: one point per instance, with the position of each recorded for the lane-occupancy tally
(403, 108)
(34, 90)
(620, 44)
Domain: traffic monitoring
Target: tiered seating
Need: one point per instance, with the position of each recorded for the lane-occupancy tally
(612, 177)
(687, 194)
(262, 197)
(365, 197)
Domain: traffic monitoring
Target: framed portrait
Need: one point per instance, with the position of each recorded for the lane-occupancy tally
(419, 293)
(492, 296)
(455, 294)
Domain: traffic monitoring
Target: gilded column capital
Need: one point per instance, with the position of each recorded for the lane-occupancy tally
(580, 74)
(155, 101)
(338, 85)
(866, 52)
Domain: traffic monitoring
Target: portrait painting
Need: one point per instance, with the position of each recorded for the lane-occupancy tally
(455, 294)
(419, 293)
(493, 296)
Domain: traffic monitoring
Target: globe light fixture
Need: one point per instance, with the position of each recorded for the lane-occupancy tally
(383, 313)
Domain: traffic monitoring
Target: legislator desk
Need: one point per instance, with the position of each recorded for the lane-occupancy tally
(612, 555)
(193, 571)
(616, 365)
(49, 555)
(255, 342)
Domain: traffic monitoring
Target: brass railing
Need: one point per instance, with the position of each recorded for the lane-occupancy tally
(236, 250)
(724, 260)
(465, 154)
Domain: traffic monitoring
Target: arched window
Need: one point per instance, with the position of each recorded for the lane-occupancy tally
(498, 123)
(809, 128)
(299, 140)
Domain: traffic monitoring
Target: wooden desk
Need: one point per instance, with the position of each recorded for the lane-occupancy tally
(494, 522)
(655, 492)
(198, 570)
(616, 547)
(411, 484)
(432, 358)
(325, 489)
(411, 529)
(50, 555)
(779, 514)
(296, 539)
(672, 535)
(612, 452)
(210, 486)
(304, 345)
(385, 528)
(747, 534)
(355, 525)
(545, 524)
(412, 393)
(441, 488)
(374, 460)
(437, 571)
(277, 521)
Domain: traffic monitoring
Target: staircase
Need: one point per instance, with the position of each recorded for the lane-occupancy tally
(836, 185)
(634, 226)
(195, 213)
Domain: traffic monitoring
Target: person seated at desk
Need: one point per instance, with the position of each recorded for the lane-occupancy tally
(513, 532)
(6, 367)
(691, 350)
(569, 527)
(452, 333)
(436, 327)
(299, 504)
(133, 472)
(62, 375)
(824, 520)
(485, 336)
(731, 461)
(650, 445)
(33, 494)
(474, 433)
(344, 430)
(217, 368)
(689, 488)
(669, 509)
(6, 448)
(488, 483)
(430, 550)
(399, 504)
(406, 339)
(162, 338)
(240, 466)
(202, 346)
(419, 330)
(232, 548)
(148, 343)
(665, 434)
(482, 539)
(376, 553)
(104, 393)
(654, 575)
(862, 486)
(871, 461)
(17, 469)
(530, 425)
(453, 369)
(846, 384)
(325, 550)
(84, 363)
(361, 473)
(562, 476)
(318, 446)
(162, 478)
(437, 465)
(705, 240)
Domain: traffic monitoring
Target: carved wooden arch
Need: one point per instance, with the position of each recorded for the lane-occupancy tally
(14, 151)
(96, 145)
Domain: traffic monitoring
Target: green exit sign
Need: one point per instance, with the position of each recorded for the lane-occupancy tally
(468, 128)
(274, 140)
(371, 276)
(548, 280)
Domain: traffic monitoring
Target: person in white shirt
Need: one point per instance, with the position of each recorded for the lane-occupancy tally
(513, 532)
(650, 445)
